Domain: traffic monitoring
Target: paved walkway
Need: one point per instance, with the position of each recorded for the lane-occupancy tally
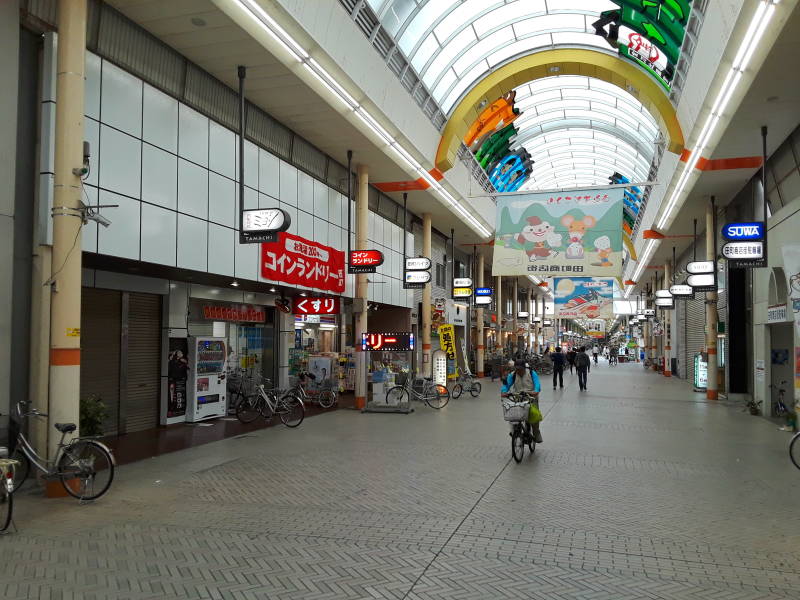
(641, 490)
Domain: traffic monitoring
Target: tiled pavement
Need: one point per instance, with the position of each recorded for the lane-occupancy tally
(641, 490)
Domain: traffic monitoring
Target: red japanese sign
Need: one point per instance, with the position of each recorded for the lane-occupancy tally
(315, 306)
(241, 314)
(299, 261)
(383, 342)
(364, 261)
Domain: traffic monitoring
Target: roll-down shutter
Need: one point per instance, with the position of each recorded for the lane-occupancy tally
(695, 331)
(141, 400)
(100, 351)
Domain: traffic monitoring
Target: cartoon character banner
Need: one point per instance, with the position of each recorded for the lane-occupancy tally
(584, 298)
(552, 235)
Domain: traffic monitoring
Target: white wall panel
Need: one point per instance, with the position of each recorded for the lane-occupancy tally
(250, 164)
(192, 135)
(334, 211)
(91, 98)
(122, 237)
(247, 260)
(305, 224)
(160, 119)
(221, 199)
(120, 162)
(159, 177)
(321, 233)
(292, 212)
(192, 189)
(288, 184)
(121, 102)
(268, 174)
(159, 231)
(192, 243)
(320, 208)
(305, 192)
(221, 241)
(91, 133)
(222, 150)
(265, 201)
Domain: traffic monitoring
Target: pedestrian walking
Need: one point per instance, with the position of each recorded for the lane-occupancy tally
(559, 360)
(571, 359)
(595, 352)
(584, 365)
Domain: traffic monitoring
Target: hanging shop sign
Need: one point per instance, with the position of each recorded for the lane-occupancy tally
(316, 306)
(238, 313)
(483, 291)
(584, 297)
(649, 312)
(447, 340)
(743, 231)
(745, 255)
(681, 291)
(416, 279)
(702, 282)
(298, 261)
(483, 300)
(261, 225)
(776, 313)
(462, 292)
(572, 234)
(364, 261)
(523, 315)
(462, 282)
(700, 267)
(419, 263)
(402, 341)
(537, 319)
(483, 296)
(665, 303)
(663, 294)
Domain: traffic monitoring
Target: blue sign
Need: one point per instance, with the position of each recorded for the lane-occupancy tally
(743, 231)
(483, 291)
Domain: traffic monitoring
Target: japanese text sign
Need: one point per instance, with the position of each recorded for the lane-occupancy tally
(299, 261)
(364, 261)
(447, 340)
(241, 313)
(387, 342)
(315, 306)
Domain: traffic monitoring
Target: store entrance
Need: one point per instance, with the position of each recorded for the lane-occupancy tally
(781, 343)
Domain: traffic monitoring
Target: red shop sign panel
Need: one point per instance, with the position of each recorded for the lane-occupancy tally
(299, 261)
(316, 306)
(240, 314)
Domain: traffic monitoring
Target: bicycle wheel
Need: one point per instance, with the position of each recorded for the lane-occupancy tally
(6, 506)
(327, 398)
(248, 409)
(22, 469)
(475, 390)
(437, 397)
(86, 470)
(458, 389)
(794, 450)
(291, 411)
(517, 444)
(397, 395)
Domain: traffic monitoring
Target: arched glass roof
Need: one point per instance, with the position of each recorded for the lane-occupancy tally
(454, 43)
(579, 130)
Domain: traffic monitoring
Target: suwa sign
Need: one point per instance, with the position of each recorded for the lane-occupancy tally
(746, 247)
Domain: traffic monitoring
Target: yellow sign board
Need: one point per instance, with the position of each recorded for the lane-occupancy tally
(447, 340)
(462, 292)
(73, 332)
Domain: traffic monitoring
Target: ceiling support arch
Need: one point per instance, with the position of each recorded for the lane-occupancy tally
(566, 61)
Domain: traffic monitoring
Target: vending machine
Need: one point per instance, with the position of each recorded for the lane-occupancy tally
(207, 397)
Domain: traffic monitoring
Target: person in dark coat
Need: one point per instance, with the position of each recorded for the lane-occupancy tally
(571, 359)
(584, 365)
(559, 360)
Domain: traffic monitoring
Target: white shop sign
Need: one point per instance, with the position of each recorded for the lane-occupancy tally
(776, 313)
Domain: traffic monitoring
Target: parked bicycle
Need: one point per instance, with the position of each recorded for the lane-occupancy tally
(794, 449)
(243, 384)
(466, 381)
(516, 408)
(6, 488)
(779, 408)
(84, 465)
(325, 396)
(269, 402)
(433, 394)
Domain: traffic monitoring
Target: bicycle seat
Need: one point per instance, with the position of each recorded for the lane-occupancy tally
(66, 427)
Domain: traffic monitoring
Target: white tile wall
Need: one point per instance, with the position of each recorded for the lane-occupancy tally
(177, 195)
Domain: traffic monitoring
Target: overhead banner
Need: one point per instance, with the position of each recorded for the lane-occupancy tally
(553, 235)
(584, 298)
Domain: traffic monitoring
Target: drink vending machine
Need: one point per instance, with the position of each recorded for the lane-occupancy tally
(207, 397)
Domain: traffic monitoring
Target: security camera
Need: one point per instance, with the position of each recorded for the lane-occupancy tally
(98, 218)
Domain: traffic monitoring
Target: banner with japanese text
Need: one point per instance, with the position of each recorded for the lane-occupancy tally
(298, 261)
(584, 298)
(556, 234)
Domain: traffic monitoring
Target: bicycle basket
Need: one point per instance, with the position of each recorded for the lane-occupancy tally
(515, 411)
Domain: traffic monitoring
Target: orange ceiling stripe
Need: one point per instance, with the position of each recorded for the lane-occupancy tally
(724, 164)
(408, 186)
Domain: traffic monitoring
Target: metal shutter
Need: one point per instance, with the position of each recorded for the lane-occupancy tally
(695, 331)
(679, 337)
(100, 350)
(143, 365)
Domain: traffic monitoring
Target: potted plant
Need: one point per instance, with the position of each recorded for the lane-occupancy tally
(92, 415)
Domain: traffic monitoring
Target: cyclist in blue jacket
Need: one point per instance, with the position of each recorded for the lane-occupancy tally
(524, 379)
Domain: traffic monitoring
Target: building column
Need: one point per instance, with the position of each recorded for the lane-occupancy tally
(362, 285)
(711, 307)
(515, 316)
(498, 284)
(65, 323)
(479, 351)
(427, 365)
(535, 325)
(667, 318)
(530, 320)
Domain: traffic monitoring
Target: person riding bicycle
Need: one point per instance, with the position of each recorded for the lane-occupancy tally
(524, 380)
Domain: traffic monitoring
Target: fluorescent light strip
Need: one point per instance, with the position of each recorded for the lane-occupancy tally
(751, 39)
(286, 41)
